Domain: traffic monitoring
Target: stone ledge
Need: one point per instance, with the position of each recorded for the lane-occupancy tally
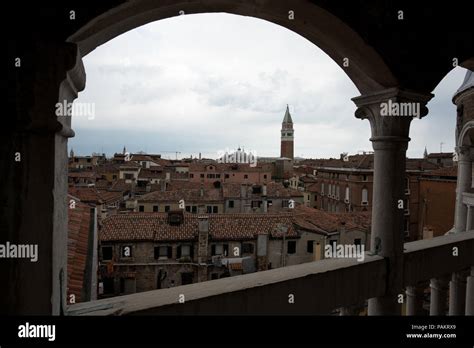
(317, 286)
(431, 258)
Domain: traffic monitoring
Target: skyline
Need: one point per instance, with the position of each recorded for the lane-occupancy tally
(215, 88)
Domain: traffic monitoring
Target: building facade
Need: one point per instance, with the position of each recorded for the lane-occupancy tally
(146, 251)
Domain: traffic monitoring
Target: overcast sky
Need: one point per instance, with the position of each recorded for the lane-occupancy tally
(211, 82)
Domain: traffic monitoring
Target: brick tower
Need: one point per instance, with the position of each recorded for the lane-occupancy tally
(287, 136)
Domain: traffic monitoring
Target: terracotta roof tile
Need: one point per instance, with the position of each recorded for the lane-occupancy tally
(121, 185)
(451, 172)
(93, 195)
(102, 184)
(130, 165)
(330, 222)
(107, 168)
(420, 164)
(78, 244)
(440, 155)
(188, 185)
(86, 194)
(154, 227)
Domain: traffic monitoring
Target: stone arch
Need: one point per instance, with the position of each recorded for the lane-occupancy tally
(466, 136)
(366, 68)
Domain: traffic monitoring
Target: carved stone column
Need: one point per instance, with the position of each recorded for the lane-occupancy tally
(470, 293)
(35, 187)
(457, 294)
(414, 304)
(390, 129)
(438, 298)
(463, 185)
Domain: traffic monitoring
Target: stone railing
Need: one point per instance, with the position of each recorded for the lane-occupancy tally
(317, 287)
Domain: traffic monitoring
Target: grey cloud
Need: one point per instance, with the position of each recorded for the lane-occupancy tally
(150, 71)
(196, 83)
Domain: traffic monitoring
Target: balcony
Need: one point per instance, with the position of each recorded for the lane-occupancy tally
(318, 287)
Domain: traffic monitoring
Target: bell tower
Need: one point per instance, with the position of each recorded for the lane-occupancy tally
(287, 136)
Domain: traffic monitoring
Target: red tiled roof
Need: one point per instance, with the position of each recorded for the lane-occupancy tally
(110, 196)
(121, 185)
(92, 195)
(366, 162)
(161, 161)
(440, 155)
(140, 158)
(78, 244)
(310, 218)
(420, 164)
(107, 168)
(154, 227)
(188, 185)
(102, 184)
(130, 165)
(86, 194)
(354, 161)
(444, 172)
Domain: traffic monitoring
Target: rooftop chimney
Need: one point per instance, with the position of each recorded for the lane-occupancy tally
(203, 224)
(175, 217)
(203, 228)
(162, 185)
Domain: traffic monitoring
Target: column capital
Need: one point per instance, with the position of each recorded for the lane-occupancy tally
(390, 112)
(74, 81)
(465, 153)
(440, 284)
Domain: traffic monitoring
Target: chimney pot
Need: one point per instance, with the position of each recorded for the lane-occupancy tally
(203, 224)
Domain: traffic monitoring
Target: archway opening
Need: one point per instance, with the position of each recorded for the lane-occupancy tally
(190, 88)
